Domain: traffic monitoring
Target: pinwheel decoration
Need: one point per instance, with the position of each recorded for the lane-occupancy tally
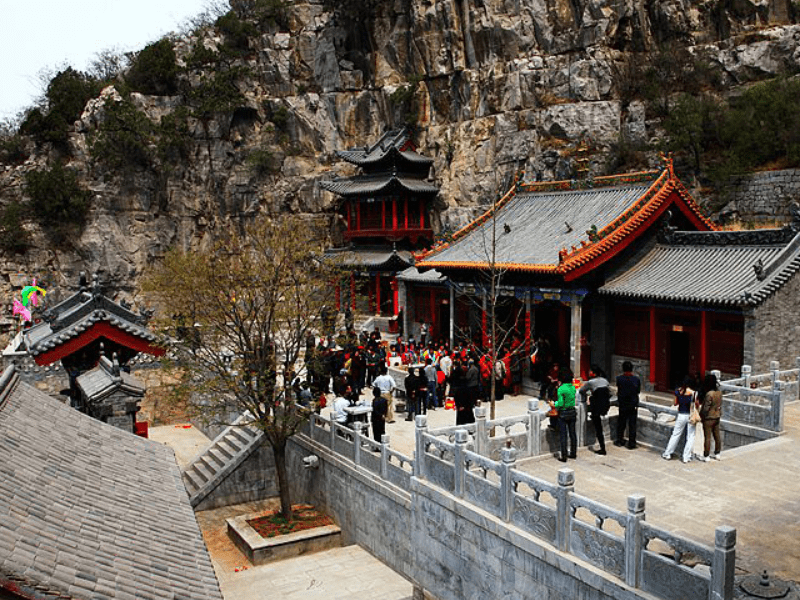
(30, 297)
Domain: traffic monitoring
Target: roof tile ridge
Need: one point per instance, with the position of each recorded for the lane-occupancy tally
(509, 195)
(692, 204)
(589, 184)
(629, 220)
(8, 382)
(783, 260)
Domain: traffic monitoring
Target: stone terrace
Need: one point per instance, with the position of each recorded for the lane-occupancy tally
(753, 488)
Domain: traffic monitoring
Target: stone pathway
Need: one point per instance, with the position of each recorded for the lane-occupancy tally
(337, 574)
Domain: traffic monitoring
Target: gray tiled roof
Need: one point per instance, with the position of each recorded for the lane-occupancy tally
(429, 276)
(389, 141)
(371, 257)
(89, 511)
(541, 224)
(372, 184)
(100, 381)
(692, 269)
(75, 315)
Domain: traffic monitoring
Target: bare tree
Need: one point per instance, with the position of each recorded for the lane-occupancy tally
(244, 307)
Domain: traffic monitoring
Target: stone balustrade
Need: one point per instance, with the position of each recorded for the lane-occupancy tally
(620, 543)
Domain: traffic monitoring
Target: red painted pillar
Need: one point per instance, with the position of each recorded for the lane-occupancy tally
(338, 297)
(421, 215)
(653, 345)
(703, 342)
(405, 205)
(394, 213)
(383, 214)
(378, 294)
(395, 296)
(528, 333)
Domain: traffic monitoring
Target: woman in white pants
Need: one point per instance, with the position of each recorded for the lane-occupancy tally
(684, 397)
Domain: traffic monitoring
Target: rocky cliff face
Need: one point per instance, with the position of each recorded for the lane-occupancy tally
(493, 86)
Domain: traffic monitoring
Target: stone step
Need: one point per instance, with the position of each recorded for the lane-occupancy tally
(203, 470)
(218, 456)
(192, 482)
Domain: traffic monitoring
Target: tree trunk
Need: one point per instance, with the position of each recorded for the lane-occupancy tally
(279, 453)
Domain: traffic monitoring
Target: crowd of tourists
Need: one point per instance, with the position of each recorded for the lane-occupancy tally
(461, 377)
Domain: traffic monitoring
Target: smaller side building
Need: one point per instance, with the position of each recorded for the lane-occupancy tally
(89, 512)
(111, 395)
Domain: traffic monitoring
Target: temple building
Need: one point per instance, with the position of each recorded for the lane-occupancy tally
(623, 267)
(386, 212)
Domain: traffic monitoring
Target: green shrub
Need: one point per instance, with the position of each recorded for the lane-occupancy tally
(154, 70)
(173, 136)
(12, 149)
(58, 202)
(67, 94)
(123, 139)
(237, 33)
(13, 237)
(216, 93)
(262, 163)
(201, 56)
(405, 104)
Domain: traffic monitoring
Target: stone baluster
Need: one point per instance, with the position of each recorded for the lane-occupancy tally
(421, 423)
(633, 539)
(580, 430)
(459, 473)
(724, 563)
(357, 428)
(385, 456)
(775, 371)
(333, 433)
(746, 371)
(566, 485)
(534, 428)
(778, 388)
(508, 457)
(481, 432)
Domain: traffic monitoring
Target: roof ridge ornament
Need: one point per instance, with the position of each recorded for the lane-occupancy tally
(669, 163)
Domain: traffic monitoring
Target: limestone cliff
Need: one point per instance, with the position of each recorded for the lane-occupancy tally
(492, 87)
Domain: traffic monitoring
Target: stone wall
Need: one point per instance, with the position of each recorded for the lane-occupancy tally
(452, 542)
(777, 328)
(766, 196)
(254, 479)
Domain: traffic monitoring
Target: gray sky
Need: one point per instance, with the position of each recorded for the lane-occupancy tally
(46, 34)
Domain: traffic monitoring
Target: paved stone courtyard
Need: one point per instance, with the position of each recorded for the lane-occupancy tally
(755, 489)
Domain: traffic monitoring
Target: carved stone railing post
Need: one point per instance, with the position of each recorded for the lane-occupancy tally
(580, 430)
(459, 473)
(421, 423)
(775, 371)
(633, 539)
(746, 371)
(508, 457)
(778, 388)
(566, 485)
(357, 427)
(724, 563)
(481, 433)
(333, 433)
(534, 428)
(385, 456)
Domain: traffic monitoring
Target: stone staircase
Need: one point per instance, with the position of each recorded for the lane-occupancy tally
(228, 450)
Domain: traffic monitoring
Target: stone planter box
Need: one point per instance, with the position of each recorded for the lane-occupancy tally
(260, 550)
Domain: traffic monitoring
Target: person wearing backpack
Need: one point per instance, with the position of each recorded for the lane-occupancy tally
(598, 402)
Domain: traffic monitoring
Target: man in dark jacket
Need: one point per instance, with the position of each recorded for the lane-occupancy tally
(379, 408)
(628, 388)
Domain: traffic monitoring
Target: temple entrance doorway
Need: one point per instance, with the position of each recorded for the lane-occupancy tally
(678, 352)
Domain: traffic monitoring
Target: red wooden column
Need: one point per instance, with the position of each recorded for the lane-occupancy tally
(421, 215)
(383, 214)
(405, 205)
(378, 294)
(653, 345)
(394, 213)
(338, 297)
(703, 342)
(395, 296)
(353, 292)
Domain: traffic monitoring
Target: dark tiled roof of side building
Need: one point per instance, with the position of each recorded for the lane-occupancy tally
(724, 268)
(373, 184)
(88, 511)
(394, 140)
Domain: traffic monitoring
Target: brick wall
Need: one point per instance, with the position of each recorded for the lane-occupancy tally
(777, 328)
(764, 196)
